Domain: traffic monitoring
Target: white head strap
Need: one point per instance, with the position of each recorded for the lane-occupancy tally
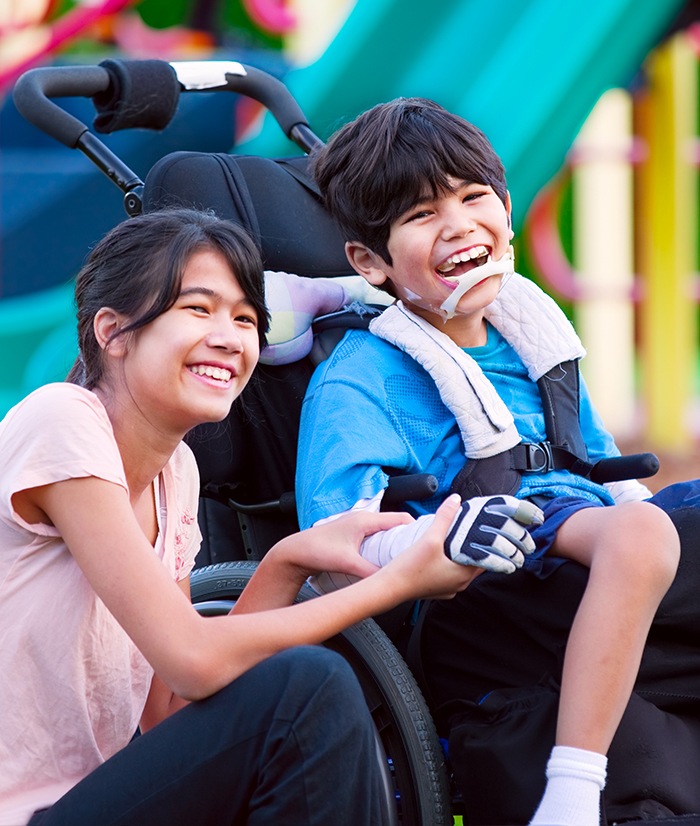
(504, 266)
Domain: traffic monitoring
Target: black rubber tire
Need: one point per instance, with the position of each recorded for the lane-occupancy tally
(415, 761)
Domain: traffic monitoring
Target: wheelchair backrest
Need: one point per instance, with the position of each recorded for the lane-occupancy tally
(279, 204)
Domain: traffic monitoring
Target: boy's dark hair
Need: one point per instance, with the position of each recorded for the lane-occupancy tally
(392, 156)
(137, 270)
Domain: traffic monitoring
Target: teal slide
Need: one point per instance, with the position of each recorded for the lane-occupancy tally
(527, 72)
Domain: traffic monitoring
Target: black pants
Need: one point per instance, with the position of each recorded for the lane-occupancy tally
(505, 637)
(511, 631)
(288, 742)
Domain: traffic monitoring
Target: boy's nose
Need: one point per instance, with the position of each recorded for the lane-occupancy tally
(457, 222)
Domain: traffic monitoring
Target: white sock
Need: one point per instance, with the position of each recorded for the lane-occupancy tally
(575, 778)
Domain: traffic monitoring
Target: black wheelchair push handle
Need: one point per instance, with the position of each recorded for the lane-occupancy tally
(144, 94)
(35, 88)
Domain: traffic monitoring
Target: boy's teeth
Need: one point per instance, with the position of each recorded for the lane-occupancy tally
(219, 373)
(461, 258)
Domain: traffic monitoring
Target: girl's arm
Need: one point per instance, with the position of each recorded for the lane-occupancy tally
(161, 702)
(196, 656)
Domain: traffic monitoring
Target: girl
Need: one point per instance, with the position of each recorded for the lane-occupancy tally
(98, 535)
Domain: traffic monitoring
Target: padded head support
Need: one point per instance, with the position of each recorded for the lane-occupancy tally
(275, 200)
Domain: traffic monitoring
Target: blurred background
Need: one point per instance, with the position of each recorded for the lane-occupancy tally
(592, 106)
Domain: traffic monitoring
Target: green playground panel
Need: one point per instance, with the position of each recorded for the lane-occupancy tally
(37, 341)
(527, 72)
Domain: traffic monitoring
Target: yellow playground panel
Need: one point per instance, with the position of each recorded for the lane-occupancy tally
(632, 282)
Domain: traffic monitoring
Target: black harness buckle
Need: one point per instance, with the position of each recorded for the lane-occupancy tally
(538, 458)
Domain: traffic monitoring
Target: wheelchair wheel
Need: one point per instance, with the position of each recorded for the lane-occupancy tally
(411, 758)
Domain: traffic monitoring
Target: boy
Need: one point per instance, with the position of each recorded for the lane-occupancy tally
(449, 371)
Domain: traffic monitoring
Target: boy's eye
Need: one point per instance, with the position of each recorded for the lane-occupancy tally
(473, 196)
(419, 213)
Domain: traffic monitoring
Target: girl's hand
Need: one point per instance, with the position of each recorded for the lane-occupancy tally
(335, 545)
(424, 570)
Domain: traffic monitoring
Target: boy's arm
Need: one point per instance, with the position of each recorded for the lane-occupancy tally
(487, 533)
(346, 438)
(601, 445)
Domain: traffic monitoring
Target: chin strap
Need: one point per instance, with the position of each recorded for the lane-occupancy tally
(504, 266)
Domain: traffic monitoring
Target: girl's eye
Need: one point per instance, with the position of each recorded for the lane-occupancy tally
(197, 308)
(247, 319)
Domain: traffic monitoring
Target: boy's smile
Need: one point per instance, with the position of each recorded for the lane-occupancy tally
(438, 240)
(455, 264)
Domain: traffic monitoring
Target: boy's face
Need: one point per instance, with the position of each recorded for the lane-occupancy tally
(438, 239)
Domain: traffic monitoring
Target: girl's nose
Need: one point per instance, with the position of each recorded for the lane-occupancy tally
(225, 336)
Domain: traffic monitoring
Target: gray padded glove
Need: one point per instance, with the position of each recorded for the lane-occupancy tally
(488, 532)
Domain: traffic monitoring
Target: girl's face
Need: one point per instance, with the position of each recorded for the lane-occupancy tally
(188, 365)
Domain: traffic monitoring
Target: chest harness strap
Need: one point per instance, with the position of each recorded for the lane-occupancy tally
(564, 448)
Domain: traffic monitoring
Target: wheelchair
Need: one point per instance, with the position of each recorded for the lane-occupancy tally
(247, 462)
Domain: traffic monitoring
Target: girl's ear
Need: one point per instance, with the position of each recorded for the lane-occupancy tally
(107, 324)
(365, 262)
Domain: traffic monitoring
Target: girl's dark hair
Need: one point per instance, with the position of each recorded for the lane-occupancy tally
(394, 155)
(137, 270)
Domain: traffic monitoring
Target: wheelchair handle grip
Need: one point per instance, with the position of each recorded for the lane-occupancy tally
(34, 88)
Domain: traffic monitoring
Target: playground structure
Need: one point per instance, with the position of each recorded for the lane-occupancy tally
(618, 184)
(633, 172)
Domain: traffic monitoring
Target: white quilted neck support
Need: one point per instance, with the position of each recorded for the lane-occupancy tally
(534, 325)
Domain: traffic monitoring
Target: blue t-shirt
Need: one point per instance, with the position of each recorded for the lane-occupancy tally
(371, 410)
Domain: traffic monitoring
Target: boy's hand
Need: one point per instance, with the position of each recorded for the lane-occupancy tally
(487, 532)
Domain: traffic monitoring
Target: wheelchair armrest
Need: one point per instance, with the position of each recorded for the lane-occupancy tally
(634, 466)
(400, 489)
(416, 486)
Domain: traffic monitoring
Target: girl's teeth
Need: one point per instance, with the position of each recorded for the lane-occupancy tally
(212, 372)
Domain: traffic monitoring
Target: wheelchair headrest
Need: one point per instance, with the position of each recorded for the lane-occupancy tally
(275, 200)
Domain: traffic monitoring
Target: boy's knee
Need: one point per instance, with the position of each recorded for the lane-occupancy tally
(649, 541)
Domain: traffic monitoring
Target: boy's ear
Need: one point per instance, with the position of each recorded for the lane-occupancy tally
(509, 211)
(367, 263)
(107, 324)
